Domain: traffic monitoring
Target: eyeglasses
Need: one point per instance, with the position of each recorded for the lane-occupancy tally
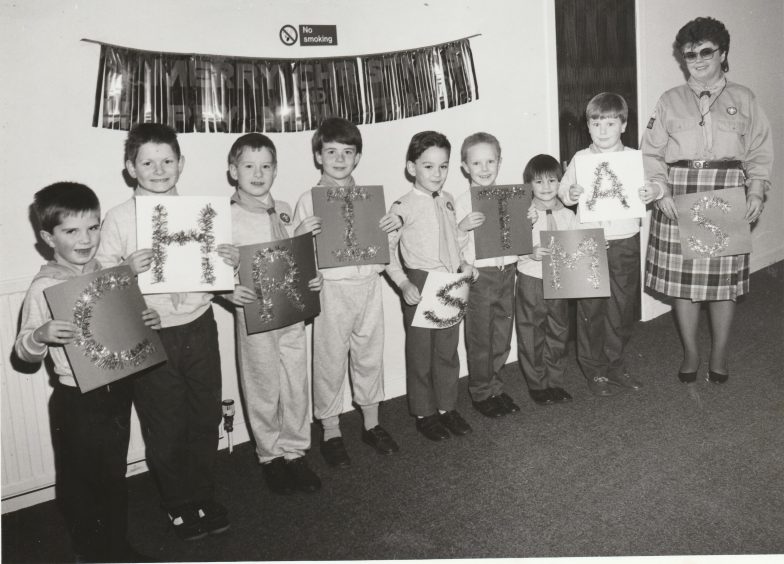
(704, 54)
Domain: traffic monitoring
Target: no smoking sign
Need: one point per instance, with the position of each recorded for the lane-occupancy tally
(309, 35)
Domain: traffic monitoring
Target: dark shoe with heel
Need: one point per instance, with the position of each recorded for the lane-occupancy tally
(600, 386)
(453, 421)
(716, 378)
(687, 377)
(430, 426)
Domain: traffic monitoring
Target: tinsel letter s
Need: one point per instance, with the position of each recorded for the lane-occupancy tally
(445, 298)
(721, 239)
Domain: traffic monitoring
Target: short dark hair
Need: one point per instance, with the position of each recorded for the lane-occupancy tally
(336, 130)
(700, 30)
(62, 199)
(254, 142)
(142, 133)
(423, 140)
(476, 139)
(541, 165)
(607, 105)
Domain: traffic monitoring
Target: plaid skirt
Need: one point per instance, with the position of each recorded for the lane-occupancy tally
(705, 279)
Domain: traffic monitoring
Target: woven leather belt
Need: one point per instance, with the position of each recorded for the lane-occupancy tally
(708, 164)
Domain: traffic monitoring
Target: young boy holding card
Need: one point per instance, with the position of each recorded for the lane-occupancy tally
(273, 364)
(90, 430)
(351, 323)
(428, 242)
(542, 325)
(490, 314)
(179, 402)
(604, 326)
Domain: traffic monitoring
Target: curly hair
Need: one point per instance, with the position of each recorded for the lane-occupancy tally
(700, 30)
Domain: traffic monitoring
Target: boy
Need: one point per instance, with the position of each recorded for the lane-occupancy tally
(273, 364)
(91, 430)
(604, 325)
(490, 314)
(428, 242)
(351, 324)
(178, 402)
(542, 325)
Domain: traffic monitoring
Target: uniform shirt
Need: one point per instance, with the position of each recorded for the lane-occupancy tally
(740, 131)
(303, 210)
(615, 229)
(564, 219)
(118, 241)
(418, 239)
(466, 239)
(252, 227)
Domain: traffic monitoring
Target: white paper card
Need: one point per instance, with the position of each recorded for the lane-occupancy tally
(444, 300)
(611, 183)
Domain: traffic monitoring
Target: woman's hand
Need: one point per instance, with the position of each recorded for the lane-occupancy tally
(471, 221)
(649, 193)
(667, 206)
(754, 206)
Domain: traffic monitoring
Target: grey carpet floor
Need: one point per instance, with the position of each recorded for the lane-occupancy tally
(670, 469)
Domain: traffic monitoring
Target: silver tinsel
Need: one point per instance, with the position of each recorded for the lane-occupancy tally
(502, 196)
(352, 252)
(161, 238)
(722, 239)
(265, 285)
(98, 354)
(615, 191)
(560, 259)
(448, 300)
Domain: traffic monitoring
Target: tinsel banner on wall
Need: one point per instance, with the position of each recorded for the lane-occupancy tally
(211, 93)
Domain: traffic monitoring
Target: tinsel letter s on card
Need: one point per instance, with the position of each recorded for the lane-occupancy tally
(444, 296)
(721, 239)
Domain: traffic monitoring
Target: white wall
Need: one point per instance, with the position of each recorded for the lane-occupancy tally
(46, 105)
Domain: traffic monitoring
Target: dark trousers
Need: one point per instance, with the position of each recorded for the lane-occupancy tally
(432, 364)
(488, 329)
(179, 407)
(542, 331)
(604, 325)
(90, 435)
